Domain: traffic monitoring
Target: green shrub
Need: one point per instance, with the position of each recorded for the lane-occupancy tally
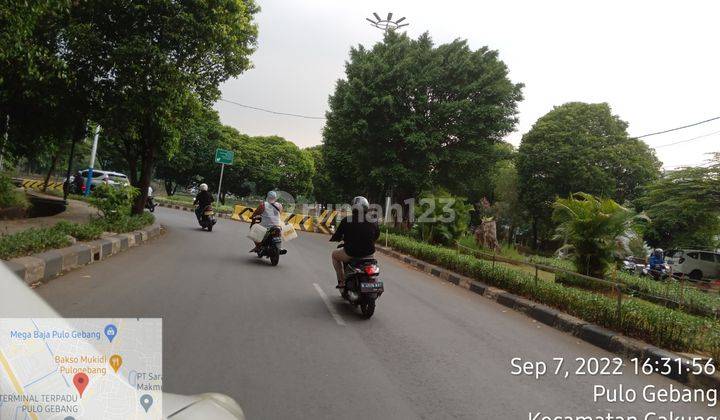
(31, 241)
(128, 223)
(442, 218)
(659, 325)
(112, 201)
(81, 232)
(10, 196)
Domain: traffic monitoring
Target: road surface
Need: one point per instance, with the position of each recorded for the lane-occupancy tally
(264, 335)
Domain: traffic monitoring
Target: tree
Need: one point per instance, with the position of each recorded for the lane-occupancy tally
(193, 161)
(684, 207)
(267, 163)
(579, 147)
(151, 63)
(410, 116)
(590, 227)
(442, 218)
(325, 189)
(506, 188)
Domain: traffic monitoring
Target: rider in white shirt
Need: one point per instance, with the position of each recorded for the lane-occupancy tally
(270, 211)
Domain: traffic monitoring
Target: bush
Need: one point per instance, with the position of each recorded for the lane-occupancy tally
(36, 240)
(10, 196)
(442, 218)
(113, 202)
(659, 325)
(31, 241)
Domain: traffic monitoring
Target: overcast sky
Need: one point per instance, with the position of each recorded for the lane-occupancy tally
(655, 62)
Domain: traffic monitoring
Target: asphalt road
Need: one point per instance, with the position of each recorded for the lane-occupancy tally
(264, 336)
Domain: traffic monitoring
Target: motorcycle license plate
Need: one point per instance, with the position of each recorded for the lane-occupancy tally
(208, 213)
(371, 287)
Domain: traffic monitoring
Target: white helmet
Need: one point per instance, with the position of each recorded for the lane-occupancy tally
(360, 203)
(203, 187)
(272, 197)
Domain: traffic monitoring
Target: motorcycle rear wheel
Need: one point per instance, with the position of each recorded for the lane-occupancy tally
(367, 308)
(210, 227)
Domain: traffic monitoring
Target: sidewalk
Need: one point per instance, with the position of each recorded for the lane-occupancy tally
(76, 211)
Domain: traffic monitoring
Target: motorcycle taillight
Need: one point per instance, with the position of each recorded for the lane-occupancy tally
(371, 270)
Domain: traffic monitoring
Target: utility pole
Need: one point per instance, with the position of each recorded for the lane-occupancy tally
(88, 183)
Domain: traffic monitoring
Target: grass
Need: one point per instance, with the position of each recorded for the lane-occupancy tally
(665, 327)
(188, 201)
(36, 240)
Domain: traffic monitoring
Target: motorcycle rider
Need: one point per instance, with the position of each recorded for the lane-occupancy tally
(269, 211)
(657, 259)
(202, 200)
(359, 235)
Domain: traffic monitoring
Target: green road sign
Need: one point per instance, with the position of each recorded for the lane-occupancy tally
(224, 156)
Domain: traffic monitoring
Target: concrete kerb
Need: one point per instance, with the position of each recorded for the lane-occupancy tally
(588, 332)
(50, 264)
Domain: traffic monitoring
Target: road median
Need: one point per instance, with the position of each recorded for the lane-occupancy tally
(596, 335)
(44, 266)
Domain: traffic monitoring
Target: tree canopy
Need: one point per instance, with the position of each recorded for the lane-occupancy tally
(410, 116)
(580, 147)
(684, 208)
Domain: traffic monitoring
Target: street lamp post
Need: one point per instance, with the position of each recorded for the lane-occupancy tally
(388, 23)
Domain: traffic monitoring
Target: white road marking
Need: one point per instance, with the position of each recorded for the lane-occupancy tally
(330, 308)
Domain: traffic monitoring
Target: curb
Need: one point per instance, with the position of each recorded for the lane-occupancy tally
(47, 265)
(594, 334)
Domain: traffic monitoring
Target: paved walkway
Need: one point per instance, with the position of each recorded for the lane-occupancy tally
(76, 211)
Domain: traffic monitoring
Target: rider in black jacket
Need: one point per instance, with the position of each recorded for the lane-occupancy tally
(359, 235)
(202, 200)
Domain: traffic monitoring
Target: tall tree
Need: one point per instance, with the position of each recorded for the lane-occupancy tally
(325, 189)
(579, 147)
(410, 115)
(152, 60)
(684, 207)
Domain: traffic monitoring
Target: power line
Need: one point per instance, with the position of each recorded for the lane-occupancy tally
(678, 128)
(269, 111)
(688, 140)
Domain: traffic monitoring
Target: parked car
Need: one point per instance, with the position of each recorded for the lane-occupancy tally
(697, 264)
(99, 176)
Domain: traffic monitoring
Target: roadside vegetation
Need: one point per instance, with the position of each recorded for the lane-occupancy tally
(114, 206)
(656, 324)
(10, 196)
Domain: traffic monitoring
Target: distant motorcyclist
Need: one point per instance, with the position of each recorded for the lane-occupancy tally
(269, 212)
(359, 235)
(202, 200)
(657, 259)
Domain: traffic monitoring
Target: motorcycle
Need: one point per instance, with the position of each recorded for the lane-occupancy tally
(150, 204)
(271, 244)
(657, 272)
(207, 218)
(362, 287)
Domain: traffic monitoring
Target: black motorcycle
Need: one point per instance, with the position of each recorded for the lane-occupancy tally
(362, 287)
(207, 218)
(271, 245)
(150, 204)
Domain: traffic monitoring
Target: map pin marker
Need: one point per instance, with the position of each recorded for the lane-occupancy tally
(80, 380)
(115, 362)
(146, 401)
(110, 332)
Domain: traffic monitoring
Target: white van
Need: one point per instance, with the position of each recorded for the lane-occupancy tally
(696, 264)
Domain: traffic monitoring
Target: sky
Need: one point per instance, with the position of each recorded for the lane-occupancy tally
(655, 62)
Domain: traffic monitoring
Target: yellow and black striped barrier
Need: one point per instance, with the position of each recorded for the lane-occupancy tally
(303, 222)
(35, 184)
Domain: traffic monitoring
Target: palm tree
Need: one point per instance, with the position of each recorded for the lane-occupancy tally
(590, 227)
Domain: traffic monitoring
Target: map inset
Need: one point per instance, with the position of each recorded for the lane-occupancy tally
(80, 368)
